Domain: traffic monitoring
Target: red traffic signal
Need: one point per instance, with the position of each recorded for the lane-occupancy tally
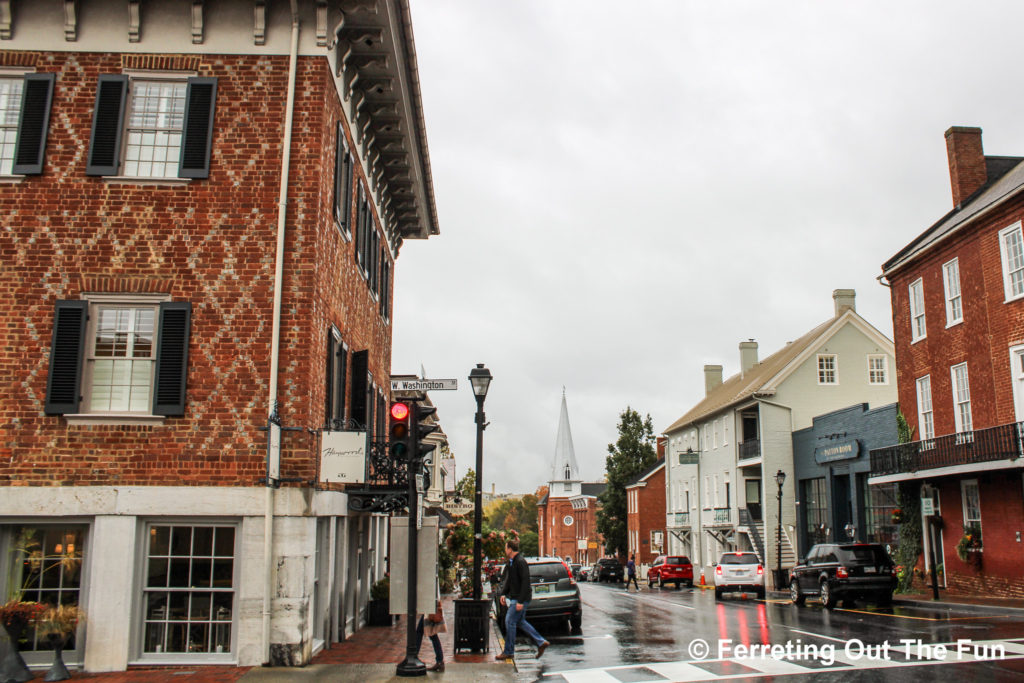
(399, 411)
(398, 432)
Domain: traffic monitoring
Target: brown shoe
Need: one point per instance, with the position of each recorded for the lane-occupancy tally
(502, 657)
(439, 667)
(540, 648)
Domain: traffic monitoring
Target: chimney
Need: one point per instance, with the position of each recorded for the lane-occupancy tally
(712, 378)
(492, 490)
(967, 170)
(748, 355)
(844, 298)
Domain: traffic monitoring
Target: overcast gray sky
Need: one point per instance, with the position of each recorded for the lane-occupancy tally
(626, 191)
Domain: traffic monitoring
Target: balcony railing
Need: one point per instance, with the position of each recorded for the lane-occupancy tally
(982, 445)
(751, 448)
(675, 519)
(723, 515)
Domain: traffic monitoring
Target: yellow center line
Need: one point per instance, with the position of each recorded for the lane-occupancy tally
(904, 616)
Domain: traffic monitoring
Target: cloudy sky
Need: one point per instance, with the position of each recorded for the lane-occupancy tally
(628, 190)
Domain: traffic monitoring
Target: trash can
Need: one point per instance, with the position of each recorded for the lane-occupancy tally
(780, 577)
(472, 625)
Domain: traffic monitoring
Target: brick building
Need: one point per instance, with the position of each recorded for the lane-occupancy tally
(958, 320)
(567, 513)
(202, 210)
(645, 512)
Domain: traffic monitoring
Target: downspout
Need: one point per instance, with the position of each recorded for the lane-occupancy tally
(275, 343)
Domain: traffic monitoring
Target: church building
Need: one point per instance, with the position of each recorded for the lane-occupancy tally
(567, 514)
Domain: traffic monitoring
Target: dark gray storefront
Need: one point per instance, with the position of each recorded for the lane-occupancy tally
(832, 465)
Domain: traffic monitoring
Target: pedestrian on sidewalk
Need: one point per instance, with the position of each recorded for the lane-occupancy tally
(516, 593)
(631, 573)
(431, 625)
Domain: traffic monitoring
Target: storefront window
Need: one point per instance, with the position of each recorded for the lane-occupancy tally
(880, 504)
(189, 592)
(815, 505)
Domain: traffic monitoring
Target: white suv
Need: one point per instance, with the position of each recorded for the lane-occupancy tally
(739, 572)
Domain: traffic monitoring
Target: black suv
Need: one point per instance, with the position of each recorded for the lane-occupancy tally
(609, 569)
(555, 594)
(844, 572)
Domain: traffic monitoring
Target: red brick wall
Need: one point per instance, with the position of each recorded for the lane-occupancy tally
(649, 515)
(211, 242)
(560, 540)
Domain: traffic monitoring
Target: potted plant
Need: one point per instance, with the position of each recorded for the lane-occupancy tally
(15, 617)
(897, 516)
(969, 548)
(57, 624)
(379, 613)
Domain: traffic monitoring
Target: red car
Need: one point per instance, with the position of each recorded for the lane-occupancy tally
(670, 569)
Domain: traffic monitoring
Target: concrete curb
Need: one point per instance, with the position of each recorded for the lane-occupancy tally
(965, 606)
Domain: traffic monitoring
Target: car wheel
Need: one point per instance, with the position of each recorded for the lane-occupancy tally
(718, 594)
(576, 622)
(828, 597)
(650, 583)
(794, 593)
(689, 583)
(661, 583)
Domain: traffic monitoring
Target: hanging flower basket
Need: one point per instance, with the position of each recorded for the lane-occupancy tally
(897, 516)
(969, 548)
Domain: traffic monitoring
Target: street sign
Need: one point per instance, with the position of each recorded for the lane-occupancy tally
(927, 507)
(424, 385)
(458, 509)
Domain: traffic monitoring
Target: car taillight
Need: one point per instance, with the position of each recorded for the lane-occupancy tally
(760, 569)
(893, 568)
(572, 581)
(841, 573)
(718, 570)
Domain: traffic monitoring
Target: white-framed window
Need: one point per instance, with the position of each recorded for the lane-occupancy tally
(188, 598)
(725, 430)
(961, 398)
(707, 441)
(715, 482)
(925, 418)
(878, 369)
(707, 490)
(714, 437)
(121, 357)
(951, 288)
(1011, 250)
(918, 330)
(971, 497)
(154, 122)
(828, 371)
(11, 90)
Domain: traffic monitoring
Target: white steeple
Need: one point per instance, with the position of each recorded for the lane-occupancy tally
(564, 469)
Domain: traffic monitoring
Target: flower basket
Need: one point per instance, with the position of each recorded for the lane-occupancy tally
(969, 548)
(897, 516)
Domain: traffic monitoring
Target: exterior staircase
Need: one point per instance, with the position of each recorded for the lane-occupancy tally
(755, 531)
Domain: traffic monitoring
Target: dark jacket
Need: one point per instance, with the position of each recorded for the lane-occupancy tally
(517, 580)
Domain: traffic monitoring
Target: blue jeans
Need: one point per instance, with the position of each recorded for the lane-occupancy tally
(515, 619)
(434, 639)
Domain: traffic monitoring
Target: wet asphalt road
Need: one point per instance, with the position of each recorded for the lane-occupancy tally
(653, 634)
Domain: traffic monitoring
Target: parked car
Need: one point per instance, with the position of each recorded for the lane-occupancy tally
(556, 594)
(674, 569)
(609, 569)
(584, 570)
(576, 568)
(593, 572)
(739, 572)
(844, 572)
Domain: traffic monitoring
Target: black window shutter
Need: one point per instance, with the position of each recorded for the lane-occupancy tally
(67, 349)
(329, 372)
(360, 366)
(371, 423)
(197, 135)
(360, 223)
(339, 154)
(346, 180)
(107, 122)
(339, 408)
(33, 124)
(172, 358)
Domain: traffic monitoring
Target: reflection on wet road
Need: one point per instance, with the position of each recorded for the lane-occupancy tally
(686, 635)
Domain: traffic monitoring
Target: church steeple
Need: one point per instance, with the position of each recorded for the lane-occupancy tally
(564, 469)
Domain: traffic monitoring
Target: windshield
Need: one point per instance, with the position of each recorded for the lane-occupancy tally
(864, 554)
(742, 558)
(548, 572)
(677, 560)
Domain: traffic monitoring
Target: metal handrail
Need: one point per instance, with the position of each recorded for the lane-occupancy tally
(751, 448)
(981, 445)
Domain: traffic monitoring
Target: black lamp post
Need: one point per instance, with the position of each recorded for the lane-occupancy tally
(780, 479)
(480, 378)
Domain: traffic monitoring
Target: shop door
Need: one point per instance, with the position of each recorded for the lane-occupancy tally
(842, 507)
(753, 490)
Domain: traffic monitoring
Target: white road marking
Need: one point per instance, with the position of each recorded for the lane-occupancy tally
(818, 635)
(637, 596)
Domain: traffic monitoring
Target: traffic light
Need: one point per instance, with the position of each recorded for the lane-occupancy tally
(421, 428)
(399, 434)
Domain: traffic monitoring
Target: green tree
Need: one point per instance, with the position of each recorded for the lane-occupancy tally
(630, 455)
(467, 486)
(519, 514)
(528, 543)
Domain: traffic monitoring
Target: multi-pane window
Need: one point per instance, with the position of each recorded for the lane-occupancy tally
(917, 322)
(336, 375)
(925, 420)
(342, 182)
(11, 90)
(121, 359)
(1011, 248)
(880, 501)
(827, 369)
(951, 287)
(156, 116)
(961, 398)
(878, 369)
(815, 507)
(972, 503)
(189, 595)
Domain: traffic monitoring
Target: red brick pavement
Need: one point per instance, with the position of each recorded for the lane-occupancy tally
(369, 645)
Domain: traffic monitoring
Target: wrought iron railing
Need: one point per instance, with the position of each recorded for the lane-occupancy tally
(982, 445)
(382, 470)
(751, 448)
(678, 519)
(723, 515)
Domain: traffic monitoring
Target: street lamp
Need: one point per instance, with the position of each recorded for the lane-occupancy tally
(780, 479)
(480, 378)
